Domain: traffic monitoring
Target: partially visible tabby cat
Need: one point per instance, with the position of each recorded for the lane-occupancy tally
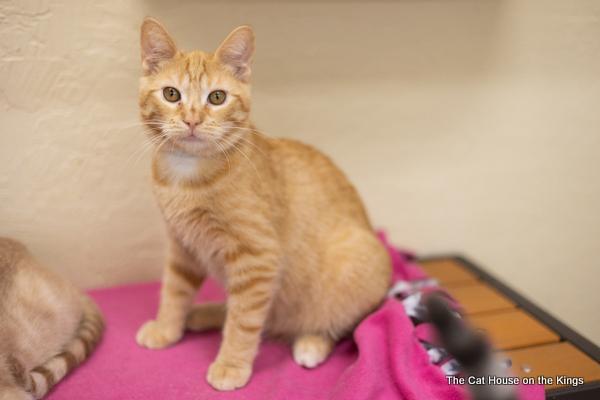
(47, 326)
(273, 219)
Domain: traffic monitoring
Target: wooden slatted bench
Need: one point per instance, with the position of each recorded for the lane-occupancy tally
(537, 343)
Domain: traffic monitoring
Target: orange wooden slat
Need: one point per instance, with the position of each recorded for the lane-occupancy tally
(513, 329)
(553, 360)
(477, 297)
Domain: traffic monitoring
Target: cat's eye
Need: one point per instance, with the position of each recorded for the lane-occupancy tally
(171, 94)
(217, 97)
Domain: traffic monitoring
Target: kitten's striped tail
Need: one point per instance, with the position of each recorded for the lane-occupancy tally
(41, 379)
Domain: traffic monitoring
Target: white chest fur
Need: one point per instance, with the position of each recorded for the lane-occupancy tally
(181, 166)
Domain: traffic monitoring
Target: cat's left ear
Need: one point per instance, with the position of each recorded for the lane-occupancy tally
(236, 52)
(157, 45)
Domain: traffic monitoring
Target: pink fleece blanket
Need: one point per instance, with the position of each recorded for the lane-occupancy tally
(383, 361)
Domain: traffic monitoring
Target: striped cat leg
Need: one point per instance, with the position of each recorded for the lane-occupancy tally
(249, 298)
(181, 281)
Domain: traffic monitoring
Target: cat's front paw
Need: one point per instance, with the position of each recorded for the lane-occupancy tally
(223, 377)
(156, 335)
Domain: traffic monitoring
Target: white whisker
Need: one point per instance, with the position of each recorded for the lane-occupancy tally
(234, 145)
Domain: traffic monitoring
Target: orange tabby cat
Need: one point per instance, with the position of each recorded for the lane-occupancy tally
(273, 219)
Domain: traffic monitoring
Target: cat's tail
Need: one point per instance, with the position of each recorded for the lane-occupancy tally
(470, 348)
(41, 379)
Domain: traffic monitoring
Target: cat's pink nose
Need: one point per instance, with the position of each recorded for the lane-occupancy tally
(191, 123)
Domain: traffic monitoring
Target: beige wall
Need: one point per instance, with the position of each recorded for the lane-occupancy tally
(467, 126)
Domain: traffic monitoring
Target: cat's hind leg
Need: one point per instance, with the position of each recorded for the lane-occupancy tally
(206, 316)
(310, 350)
(355, 278)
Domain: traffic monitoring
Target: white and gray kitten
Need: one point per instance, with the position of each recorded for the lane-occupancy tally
(47, 326)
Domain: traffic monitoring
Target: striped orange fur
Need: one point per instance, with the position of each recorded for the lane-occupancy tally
(47, 326)
(273, 219)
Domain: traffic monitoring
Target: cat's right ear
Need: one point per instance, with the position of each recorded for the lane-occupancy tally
(157, 45)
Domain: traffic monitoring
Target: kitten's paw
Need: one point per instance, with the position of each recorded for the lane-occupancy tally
(154, 335)
(223, 377)
(311, 350)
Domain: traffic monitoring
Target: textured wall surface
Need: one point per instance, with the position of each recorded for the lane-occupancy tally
(466, 125)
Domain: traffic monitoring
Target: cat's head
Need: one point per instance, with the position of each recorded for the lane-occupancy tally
(195, 102)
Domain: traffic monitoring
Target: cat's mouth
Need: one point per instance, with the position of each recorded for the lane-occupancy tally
(190, 139)
(193, 143)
